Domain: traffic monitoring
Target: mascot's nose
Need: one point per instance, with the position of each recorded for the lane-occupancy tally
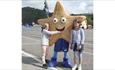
(59, 25)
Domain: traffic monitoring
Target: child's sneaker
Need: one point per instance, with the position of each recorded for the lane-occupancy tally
(74, 68)
(77, 69)
(47, 61)
(80, 68)
(45, 66)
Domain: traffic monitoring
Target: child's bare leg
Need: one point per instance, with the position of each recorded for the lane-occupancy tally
(47, 53)
(44, 54)
(76, 61)
(77, 58)
(80, 63)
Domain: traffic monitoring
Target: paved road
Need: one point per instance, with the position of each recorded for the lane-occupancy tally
(31, 50)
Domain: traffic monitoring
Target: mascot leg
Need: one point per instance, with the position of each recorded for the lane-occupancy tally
(66, 62)
(53, 61)
(60, 45)
(57, 48)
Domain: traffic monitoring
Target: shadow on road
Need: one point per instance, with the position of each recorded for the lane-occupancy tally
(29, 60)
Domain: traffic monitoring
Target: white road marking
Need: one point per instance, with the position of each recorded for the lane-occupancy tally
(30, 38)
(30, 55)
(34, 57)
(36, 43)
(52, 68)
(88, 43)
(89, 53)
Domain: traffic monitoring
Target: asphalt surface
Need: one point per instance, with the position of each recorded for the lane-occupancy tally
(31, 50)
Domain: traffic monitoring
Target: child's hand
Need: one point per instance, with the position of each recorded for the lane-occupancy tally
(78, 47)
(71, 46)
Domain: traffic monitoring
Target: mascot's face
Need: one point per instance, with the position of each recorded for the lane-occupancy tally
(60, 21)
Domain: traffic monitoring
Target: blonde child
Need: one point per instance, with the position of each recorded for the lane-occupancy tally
(45, 42)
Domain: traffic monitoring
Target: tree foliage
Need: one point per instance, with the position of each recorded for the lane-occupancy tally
(30, 15)
(89, 18)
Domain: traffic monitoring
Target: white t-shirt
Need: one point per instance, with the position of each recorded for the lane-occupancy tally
(45, 36)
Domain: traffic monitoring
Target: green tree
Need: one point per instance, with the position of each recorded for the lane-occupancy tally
(30, 15)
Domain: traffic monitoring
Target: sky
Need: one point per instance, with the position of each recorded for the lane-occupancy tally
(70, 6)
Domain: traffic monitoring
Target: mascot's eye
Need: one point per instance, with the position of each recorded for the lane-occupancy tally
(55, 20)
(63, 19)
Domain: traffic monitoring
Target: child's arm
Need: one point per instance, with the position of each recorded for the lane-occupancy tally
(71, 37)
(81, 45)
(51, 32)
(82, 36)
(70, 44)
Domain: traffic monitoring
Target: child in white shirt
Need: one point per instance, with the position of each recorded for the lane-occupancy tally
(45, 42)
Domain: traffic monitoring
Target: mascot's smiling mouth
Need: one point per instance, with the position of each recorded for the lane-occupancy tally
(60, 29)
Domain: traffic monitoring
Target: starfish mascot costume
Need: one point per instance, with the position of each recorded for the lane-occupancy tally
(60, 21)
